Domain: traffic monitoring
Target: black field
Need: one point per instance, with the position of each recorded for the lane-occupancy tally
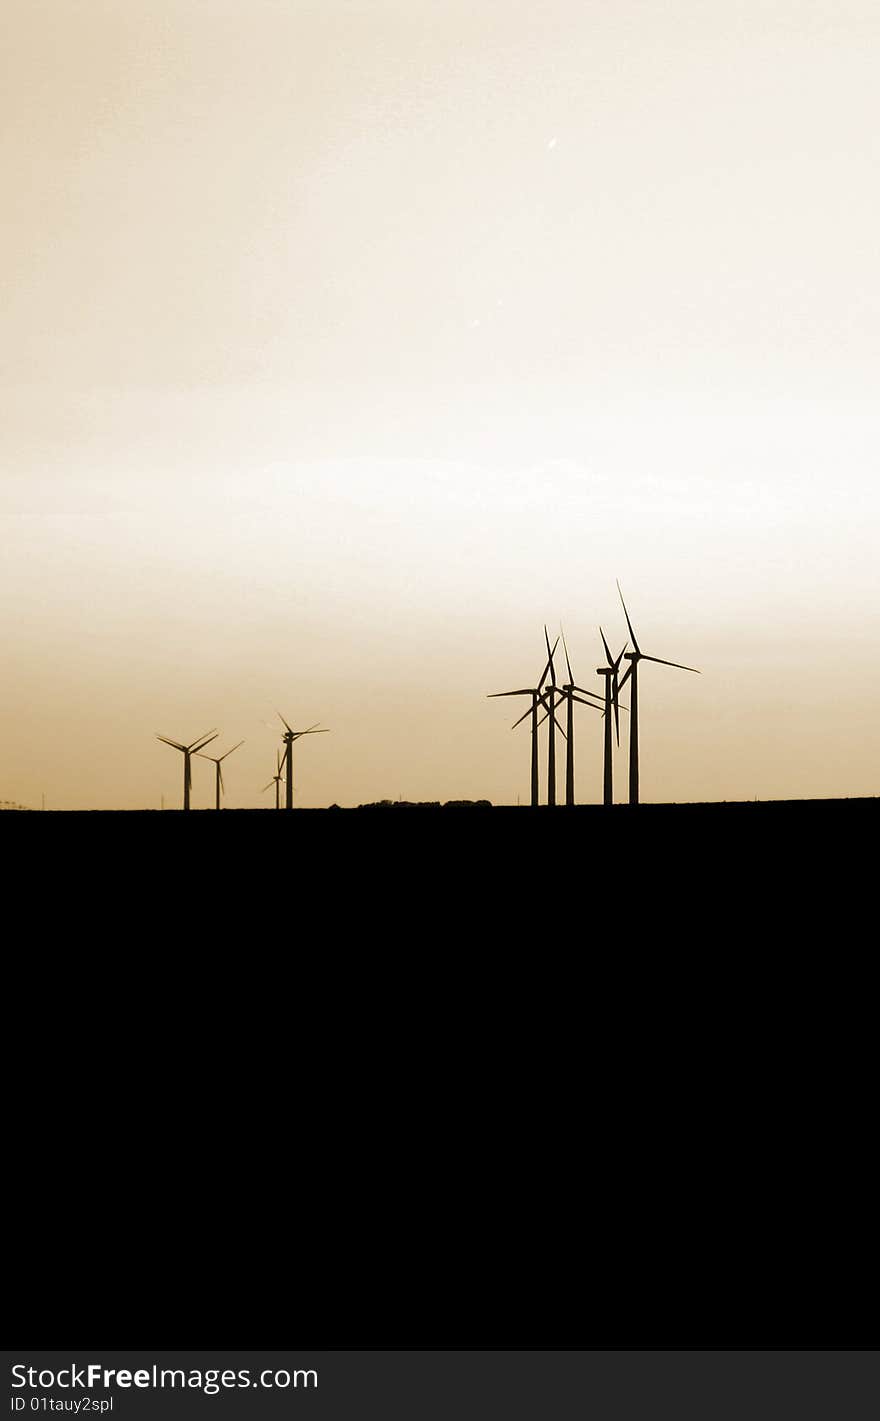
(448, 1076)
(686, 873)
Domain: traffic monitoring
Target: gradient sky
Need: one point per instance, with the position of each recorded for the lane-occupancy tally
(345, 344)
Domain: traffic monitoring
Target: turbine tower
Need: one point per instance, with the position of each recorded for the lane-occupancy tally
(218, 761)
(288, 738)
(187, 751)
(550, 696)
(535, 693)
(632, 672)
(610, 672)
(568, 695)
(276, 780)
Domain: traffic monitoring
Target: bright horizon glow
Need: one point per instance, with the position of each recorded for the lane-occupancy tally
(346, 346)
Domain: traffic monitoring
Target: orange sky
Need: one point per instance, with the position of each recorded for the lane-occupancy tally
(346, 344)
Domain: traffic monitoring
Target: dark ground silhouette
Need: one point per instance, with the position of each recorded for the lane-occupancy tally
(551, 1077)
(686, 874)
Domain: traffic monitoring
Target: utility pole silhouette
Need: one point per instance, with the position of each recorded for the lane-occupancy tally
(535, 693)
(188, 751)
(632, 673)
(610, 672)
(218, 761)
(288, 738)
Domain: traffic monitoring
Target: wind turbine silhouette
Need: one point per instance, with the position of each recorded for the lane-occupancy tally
(634, 657)
(188, 751)
(610, 672)
(568, 695)
(218, 761)
(535, 693)
(288, 738)
(550, 696)
(276, 780)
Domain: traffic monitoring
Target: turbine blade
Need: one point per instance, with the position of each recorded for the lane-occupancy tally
(594, 695)
(588, 703)
(265, 787)
(220, 777)
(549, 667)
(171, 742)
(676, 664)
(616, 664)
(281, 717)
(229, 752)
(201, 740)
(625, 677)
(567, 662)
(559, 728)
(629, 623)
(493, 695)
(607, 648)
(552, 663)
(521, 719)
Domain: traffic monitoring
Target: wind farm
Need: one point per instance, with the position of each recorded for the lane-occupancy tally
(385, 420)
(418, 856)
(591, 778)
(608, 705)
(375, 376)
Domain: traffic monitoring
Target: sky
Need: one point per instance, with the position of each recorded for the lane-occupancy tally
(346, 345)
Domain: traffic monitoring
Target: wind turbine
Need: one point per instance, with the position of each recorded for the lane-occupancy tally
(276, 780)
(187, 751)
(568, 695)
(610, 672)
(218, 761)
(535, 693)
(634, 657)
(550, 695)
(288, 738)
